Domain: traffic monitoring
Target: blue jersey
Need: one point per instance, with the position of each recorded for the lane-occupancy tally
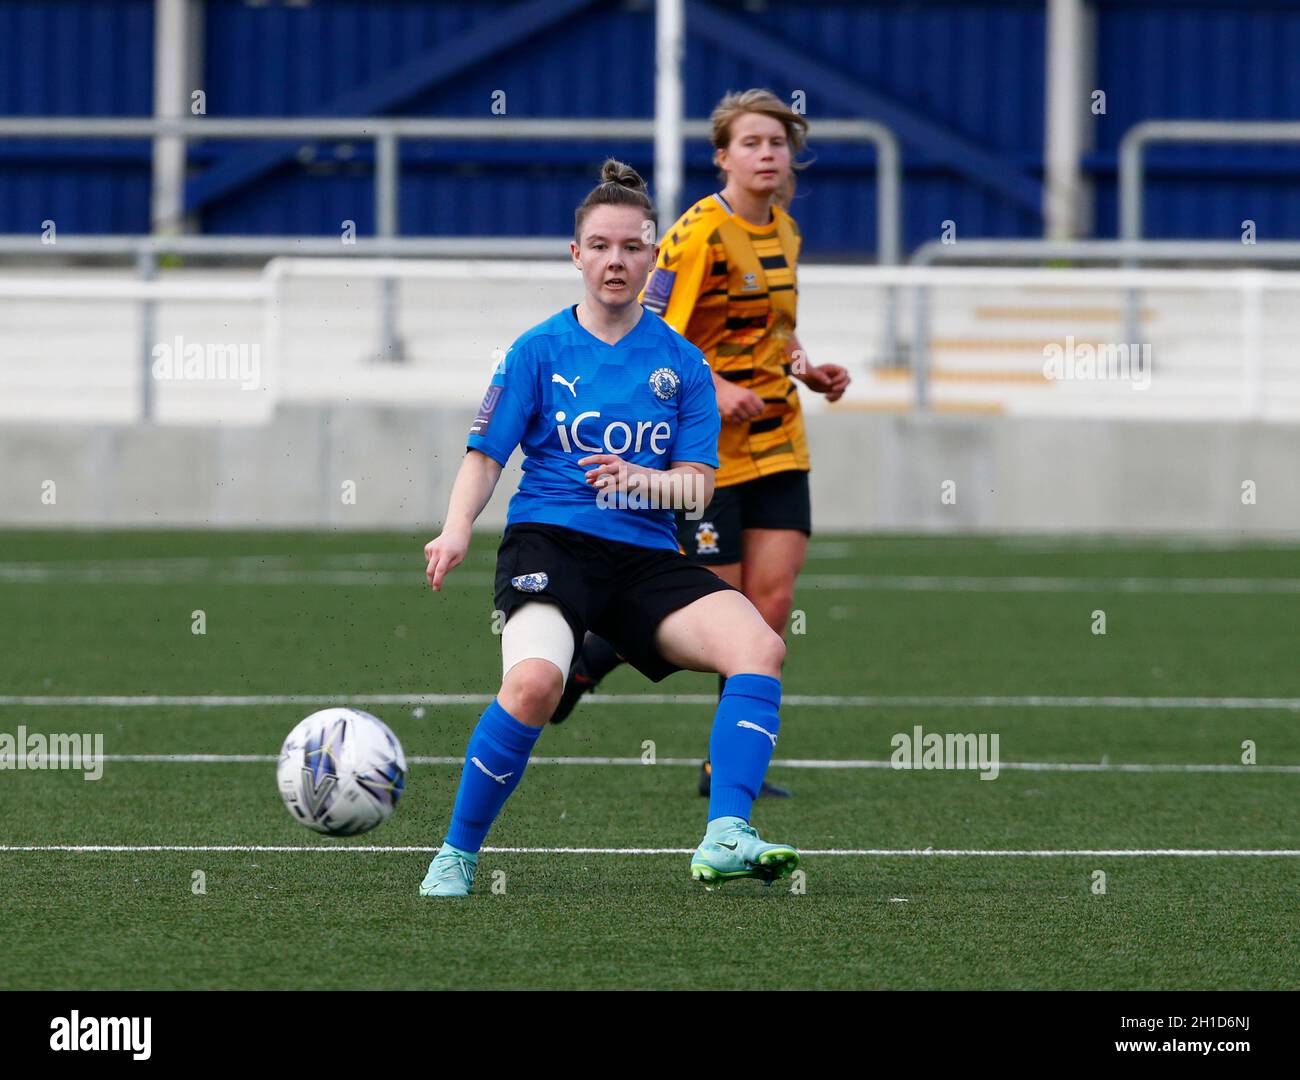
(562, 394)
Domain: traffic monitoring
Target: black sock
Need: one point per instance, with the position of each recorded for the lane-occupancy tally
(597, 659)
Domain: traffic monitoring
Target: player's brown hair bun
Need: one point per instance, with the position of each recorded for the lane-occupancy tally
(620, 185)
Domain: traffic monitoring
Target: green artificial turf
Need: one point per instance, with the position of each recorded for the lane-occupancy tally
(330, 614)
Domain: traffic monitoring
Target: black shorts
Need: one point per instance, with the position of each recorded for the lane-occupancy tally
(779, 501)
(619, 591)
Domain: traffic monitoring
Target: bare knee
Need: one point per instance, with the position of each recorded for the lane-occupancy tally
(759, 653)
(774, 602)
(772, 653)
(531, 690)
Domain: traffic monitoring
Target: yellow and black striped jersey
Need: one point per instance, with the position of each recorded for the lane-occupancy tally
(730, 288)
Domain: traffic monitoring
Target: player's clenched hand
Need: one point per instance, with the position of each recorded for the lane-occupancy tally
(829, 379)
(609, 472)
(444, 553)
(736, 403)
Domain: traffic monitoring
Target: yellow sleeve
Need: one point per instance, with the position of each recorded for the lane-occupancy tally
(675, 284)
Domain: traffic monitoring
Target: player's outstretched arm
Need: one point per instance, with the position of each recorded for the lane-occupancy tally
(475, 482)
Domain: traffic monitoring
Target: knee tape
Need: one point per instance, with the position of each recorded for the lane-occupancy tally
(537, 630)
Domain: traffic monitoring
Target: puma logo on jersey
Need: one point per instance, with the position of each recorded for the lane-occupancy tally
(488, 772)
(558, 378)
(746, 723)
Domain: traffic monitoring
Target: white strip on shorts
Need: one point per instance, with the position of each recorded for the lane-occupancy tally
(537, 631)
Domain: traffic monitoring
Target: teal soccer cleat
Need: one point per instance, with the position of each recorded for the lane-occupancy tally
(450, 874)
(732, 849)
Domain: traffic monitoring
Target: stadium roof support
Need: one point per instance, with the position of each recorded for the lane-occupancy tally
(669, 108)
(1063, 114)
(174, 25)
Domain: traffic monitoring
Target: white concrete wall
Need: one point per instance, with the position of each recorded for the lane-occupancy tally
(871, 472)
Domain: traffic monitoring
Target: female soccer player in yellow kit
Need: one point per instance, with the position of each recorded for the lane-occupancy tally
(726, 281)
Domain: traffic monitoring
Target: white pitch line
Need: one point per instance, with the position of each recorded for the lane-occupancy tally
(782, 763)
(193, 572)
(883, 852)
(854, 701)
(937, 583)
(74, 575)
(1117, 544)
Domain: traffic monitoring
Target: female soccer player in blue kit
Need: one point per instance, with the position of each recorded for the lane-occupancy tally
(618, 420)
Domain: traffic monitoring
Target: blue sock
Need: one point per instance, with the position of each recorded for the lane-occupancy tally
(500, 745)
(741, 744)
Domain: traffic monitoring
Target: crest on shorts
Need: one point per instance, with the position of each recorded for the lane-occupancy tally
(530, 582)
(706, 539)
(664, 382)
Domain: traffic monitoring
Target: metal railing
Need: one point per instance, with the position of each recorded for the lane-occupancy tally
(387, 133)
(1140, 136)
(1117, 251)
(151, 248)
(1132, 174)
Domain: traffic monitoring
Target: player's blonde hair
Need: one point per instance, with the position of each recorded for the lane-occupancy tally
(735, 105)
(620, 185)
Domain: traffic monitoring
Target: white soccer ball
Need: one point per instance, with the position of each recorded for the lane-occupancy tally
(341, 771)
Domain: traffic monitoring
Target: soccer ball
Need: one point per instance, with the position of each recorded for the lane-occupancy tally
(341, 771)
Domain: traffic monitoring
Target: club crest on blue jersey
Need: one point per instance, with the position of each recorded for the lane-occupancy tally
(530, 582)
(664, 382)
